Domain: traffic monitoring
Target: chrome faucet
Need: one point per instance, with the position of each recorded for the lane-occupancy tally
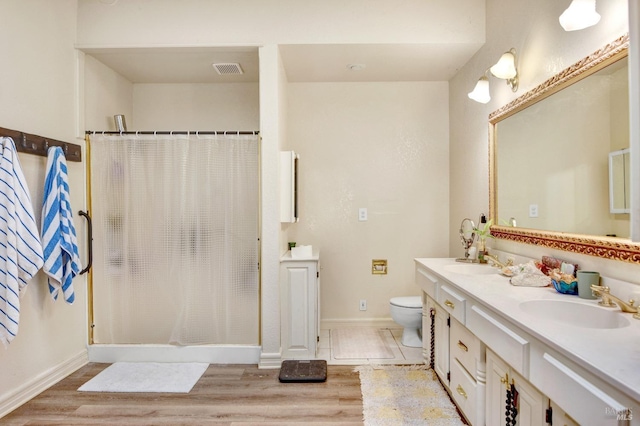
(608, 298)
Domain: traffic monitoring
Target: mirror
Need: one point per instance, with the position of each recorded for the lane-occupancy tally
(549, 159)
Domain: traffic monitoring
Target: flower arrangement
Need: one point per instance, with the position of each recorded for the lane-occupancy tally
(483, 233)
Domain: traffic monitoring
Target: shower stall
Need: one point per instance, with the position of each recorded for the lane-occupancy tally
(175, 246)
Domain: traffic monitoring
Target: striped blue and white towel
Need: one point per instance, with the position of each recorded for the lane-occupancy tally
(20, 247)
(61, 259)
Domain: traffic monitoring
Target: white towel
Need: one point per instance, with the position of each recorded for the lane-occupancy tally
(61, 259)
(20, 247)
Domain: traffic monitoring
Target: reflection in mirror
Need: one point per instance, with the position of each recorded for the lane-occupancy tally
(553, 157)
(549, 159)
(619, 181)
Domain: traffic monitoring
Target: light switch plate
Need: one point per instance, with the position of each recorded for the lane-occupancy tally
(362, 214)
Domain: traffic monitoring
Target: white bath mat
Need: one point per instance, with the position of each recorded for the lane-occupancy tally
(146, 377)
(359, 343)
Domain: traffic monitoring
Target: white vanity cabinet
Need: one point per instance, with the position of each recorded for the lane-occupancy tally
(532, 404)
(441, 343)
(556, 377)
(300, 306)
(428, 310)
(457, 354)
(467, 366)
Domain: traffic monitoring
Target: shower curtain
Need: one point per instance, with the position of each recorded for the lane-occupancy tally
(175, 221)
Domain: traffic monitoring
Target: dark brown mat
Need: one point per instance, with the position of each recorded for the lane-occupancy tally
(293, 371)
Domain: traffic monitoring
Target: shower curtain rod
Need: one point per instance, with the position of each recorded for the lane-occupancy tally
(181, 132)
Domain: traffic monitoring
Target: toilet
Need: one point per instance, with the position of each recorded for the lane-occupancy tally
(407, 312)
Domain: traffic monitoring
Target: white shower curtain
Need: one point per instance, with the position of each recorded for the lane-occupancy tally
(175, 238)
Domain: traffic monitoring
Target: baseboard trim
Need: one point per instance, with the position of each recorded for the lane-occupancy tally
(42, 382)
(270, 360)
(327, 324)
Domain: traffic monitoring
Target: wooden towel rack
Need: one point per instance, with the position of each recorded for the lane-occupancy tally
(38, 145)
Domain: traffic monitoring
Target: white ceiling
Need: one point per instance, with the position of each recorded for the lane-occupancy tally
(303, 63)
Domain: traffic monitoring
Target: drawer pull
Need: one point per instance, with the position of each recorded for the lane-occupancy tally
(461, 392)
(463, 346)
(449, 304)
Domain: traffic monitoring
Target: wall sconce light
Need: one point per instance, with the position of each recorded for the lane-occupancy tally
(505, 69)
(480, 93)
(579, 15)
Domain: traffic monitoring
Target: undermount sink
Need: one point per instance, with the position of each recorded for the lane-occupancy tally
(471, 269)
(576, 314)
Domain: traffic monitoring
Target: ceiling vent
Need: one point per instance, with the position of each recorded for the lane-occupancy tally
(228, 68)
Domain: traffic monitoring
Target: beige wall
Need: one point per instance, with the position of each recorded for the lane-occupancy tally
(247, 22)
(273, 122)
(544, 49)
(382, 146)
(104, 94)
(37, 88)
(195, 107)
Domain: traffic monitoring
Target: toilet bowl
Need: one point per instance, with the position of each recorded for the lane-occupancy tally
(407, 312)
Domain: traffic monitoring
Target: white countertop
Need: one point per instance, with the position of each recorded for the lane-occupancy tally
(611, 354)
(287, 257)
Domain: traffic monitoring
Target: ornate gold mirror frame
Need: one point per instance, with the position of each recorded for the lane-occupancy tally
(606, 247)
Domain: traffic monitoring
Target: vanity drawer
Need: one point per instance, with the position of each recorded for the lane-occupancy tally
(427, 282)
(505, 342)
(452, 302)
(465, 347)
(464, 390)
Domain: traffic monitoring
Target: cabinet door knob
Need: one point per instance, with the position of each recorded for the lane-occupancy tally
(505, 380)
(449, 304)
(461, 392)
(462, 346)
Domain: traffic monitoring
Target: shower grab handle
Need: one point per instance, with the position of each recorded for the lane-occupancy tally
(89, 240)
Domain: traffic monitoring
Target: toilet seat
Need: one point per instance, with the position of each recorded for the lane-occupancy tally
(407, 302)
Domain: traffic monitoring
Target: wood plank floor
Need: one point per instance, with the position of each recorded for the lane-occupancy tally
(238, 395)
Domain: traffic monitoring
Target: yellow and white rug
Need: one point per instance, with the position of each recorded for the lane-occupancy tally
(405, 395)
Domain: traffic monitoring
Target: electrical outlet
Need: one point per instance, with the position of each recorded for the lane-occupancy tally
(363, 304)
(533, 210)
(362, 214)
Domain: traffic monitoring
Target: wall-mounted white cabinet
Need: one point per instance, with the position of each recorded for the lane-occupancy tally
(299, 306)
(288, 186)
